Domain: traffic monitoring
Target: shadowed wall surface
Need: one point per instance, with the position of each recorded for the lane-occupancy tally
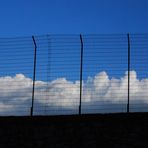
(108, 130)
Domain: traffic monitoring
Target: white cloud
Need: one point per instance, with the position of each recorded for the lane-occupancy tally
(99, 93)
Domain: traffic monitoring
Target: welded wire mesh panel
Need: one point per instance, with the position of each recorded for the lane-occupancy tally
(16, 69)
(41, 74)
(105, 73)
(139, 73)
(57, 86)
(113, 71)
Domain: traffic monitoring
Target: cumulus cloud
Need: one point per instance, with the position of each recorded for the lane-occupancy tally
(100, 94)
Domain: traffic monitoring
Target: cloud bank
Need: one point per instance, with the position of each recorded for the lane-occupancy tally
(100, 94)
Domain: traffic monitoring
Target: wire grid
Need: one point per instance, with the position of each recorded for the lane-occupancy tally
(57, 84)
(105, 62)
(139, 73)
(16, 71)
(58, 65)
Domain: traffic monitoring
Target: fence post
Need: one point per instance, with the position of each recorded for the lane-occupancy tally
(34, 74)
(81, 73)
(129, 56)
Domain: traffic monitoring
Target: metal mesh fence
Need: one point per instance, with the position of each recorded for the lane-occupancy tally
(16, 71)
(58, 62)
(105, 62)
(139, 73)
(73, 74)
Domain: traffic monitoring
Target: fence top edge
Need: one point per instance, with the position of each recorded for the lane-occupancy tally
(74, 34)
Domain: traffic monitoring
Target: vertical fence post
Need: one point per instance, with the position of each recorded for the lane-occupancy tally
(81, 72)
(129, 56)
(34, 74)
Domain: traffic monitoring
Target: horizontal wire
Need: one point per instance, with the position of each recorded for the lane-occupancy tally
(63, 52)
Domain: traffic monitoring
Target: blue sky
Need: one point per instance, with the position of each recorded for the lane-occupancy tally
(39, 17)
(27, 17)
